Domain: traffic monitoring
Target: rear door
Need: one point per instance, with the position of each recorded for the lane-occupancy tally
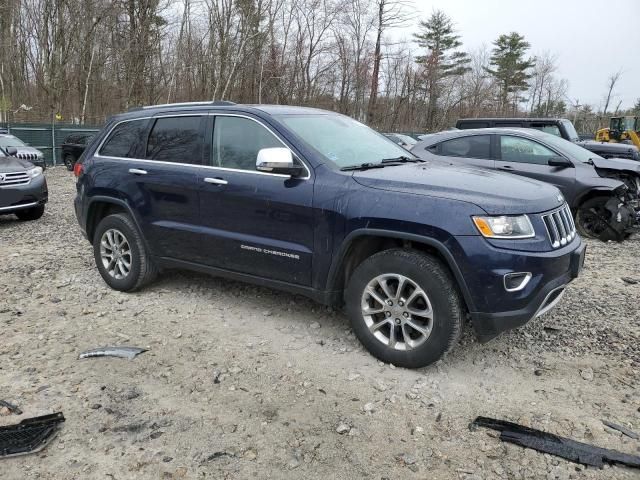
(255, 223)
(524, 156)
(152, 163)
(468, 150)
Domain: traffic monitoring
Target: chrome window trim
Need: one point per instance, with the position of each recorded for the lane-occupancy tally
(209, 114)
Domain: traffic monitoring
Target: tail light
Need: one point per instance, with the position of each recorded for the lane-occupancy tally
(77, 169)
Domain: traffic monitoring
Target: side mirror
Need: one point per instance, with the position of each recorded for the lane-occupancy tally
(12, 151)
(278, 160)
(559, 162)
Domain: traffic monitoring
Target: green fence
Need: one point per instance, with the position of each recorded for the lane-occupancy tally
(47, 137)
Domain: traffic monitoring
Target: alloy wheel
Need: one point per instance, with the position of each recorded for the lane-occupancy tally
(115, 253)
(397, 311)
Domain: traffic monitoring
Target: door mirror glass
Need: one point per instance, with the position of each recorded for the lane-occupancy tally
(559, 162)
(277, 160)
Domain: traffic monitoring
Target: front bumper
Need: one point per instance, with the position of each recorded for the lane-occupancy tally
(493, 309)
(21, 197)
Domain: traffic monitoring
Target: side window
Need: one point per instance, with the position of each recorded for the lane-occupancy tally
(477, 146)
(552, 129)
(470, 125)
(523, 150)
(237, 141)
(177, 139)
(124, 139)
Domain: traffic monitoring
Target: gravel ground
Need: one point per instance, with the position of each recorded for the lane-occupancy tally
(241, 381)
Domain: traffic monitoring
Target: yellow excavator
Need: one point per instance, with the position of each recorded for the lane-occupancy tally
(621, 129)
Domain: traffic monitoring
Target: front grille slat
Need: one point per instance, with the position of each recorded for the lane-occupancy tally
(560, 226)
(14, 178)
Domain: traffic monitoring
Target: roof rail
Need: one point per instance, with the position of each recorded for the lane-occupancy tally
(217, 103)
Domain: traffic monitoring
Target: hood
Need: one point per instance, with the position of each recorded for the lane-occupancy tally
(496, 193)
(606, 146)
(13, 164)
(617, 164)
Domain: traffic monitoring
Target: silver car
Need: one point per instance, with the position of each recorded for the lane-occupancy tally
(13, 146)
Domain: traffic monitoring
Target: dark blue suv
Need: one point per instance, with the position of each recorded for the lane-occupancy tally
(316, 203)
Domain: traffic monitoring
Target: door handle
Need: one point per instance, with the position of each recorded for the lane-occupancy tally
(506, 167)
(137, 171)
(216, 181)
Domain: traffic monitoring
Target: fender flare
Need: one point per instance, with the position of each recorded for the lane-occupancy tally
(440, 247)
(602, 189)
(113, 201)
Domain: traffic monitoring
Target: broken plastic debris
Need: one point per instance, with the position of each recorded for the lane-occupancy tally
(621, 429)
(120, 352)
(29, 436)
(566, 448)
(11, 407)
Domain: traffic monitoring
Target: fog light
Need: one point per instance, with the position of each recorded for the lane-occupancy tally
(514, 282)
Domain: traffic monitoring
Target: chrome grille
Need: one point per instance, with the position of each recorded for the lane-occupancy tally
(26, 156)
(560, 226)
(14, 178)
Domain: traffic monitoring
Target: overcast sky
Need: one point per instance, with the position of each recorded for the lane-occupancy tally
(590, 43)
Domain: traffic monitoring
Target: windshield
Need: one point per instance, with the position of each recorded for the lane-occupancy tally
(573, 151)
(10, 141)
(571, 131)
(343, 140)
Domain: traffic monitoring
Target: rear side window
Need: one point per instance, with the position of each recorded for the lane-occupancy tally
(124, 139)
(523, 150)
(237, 141)
(478, 146)
(177, 139)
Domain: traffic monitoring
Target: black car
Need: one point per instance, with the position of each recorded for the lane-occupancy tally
(560, 127)
(73, 147)
(316, 203)
(23, 188)
(603, 194)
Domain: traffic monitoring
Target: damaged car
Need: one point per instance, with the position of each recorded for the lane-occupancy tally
(604, 194)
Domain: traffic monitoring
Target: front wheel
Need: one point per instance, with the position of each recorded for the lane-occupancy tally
(121, 255)
(404, 307)
(592, 220)
(30, 213)
(69, 161)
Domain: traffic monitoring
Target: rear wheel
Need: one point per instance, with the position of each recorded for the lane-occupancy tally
(121, 255)
(30, 213)
(404, 307)
(592, 220)
(69, 161)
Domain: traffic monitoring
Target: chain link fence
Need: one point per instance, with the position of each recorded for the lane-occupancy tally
(47, 137)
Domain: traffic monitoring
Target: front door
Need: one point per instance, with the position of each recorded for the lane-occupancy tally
(529, 158)
(254, 222)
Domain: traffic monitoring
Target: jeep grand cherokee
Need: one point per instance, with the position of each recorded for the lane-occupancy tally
(316, 203)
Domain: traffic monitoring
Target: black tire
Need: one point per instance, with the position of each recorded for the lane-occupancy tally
(592, 220)
(142, 269)
(30, 213)
(430, 275)
(69, 161)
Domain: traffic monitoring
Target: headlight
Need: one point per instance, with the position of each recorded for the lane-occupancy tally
(34, 172)
(505, 227)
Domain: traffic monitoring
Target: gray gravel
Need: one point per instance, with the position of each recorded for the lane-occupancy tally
(241, 381)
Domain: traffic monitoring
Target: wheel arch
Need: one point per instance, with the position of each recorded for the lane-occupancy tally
(100, 207)
(361, 244)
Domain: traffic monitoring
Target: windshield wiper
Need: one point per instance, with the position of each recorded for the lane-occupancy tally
(401, 159)
(362, 166)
